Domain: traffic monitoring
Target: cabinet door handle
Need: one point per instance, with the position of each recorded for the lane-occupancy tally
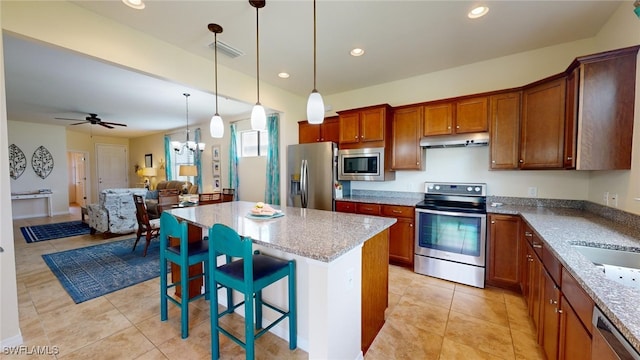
(537, 246)
(569, 158)
(396, 211)
(528, 234)
(559, 311)
(521, 160)
(410, 225)
(493, 221)
(493, 161)
(457, 126)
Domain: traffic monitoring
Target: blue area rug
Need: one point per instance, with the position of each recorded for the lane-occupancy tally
(93, 271)
(54, 231)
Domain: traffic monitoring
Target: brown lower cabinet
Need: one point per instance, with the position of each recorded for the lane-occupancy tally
(504, 231)
(401, 234)
(558, 306)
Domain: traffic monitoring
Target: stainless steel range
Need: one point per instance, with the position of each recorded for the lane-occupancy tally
(451, 232)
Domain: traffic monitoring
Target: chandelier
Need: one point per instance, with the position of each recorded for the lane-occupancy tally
(189, 145)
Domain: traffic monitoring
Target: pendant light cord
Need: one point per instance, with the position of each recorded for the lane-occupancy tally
(257, 56)
(186, 97)
(215, 40)
(314, 46)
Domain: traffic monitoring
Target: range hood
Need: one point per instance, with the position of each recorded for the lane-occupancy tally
(458, 140)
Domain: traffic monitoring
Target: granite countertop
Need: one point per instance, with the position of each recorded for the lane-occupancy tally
(315, 234)
(562, 227)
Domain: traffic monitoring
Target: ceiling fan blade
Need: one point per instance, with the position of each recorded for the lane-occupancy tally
(112, 123)
(80, 123)
(68, 119)
(105, 125)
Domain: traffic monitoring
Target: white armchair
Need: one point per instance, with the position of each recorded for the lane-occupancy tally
(115, 212)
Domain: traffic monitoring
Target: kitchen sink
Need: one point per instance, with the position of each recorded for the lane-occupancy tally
(620, 266)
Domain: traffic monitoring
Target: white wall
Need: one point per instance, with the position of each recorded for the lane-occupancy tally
(10, 328)
(28, 137)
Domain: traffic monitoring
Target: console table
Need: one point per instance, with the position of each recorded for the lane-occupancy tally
(35, 195)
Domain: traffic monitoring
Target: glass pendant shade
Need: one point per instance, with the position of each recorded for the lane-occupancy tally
(315, 108)
(258, 118)
(216, 127)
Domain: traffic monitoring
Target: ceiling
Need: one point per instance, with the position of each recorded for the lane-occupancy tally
(401, 39)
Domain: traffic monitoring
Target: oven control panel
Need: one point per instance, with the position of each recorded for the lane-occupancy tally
(470, 189)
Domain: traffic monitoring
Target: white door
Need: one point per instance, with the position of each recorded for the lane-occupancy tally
(111, 164)
(80, 162)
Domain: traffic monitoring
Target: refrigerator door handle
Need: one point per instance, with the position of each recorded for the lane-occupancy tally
(304, 183)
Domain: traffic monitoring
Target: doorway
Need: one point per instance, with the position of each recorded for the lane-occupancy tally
(111, 164)
(78, 177)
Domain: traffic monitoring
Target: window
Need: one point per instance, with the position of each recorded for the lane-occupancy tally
(177, 159)
(254, 143)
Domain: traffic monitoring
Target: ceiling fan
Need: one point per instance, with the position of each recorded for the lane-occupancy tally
(94, 120)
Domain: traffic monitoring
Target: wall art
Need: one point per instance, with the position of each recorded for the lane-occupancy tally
(17, 161)
(42, 162)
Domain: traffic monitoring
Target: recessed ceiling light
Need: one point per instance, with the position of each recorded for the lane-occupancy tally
(357, 52)
(478, 11)
(136, 4)
(283, 75)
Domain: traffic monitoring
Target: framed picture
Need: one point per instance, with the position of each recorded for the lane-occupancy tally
(216, 184)
(216, 169)
(215, 152)
(148, 160)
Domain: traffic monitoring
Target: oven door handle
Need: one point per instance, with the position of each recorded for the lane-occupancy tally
(451, 213)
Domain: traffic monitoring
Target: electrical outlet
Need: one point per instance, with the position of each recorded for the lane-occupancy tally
(533, 191)
(614, 200)
(605, 198)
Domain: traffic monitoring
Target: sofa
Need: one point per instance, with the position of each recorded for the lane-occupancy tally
(115, 212)
(152, 198)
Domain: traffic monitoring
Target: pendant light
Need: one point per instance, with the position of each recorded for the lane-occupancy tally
(258, 116)
(315, 105)
(216, 127)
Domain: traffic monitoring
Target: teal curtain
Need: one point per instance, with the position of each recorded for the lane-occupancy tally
(197, 158)
(234, 181)
(167, 155)
(272, 187)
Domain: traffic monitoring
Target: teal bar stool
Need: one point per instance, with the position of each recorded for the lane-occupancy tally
(249, 274)
(183, 255)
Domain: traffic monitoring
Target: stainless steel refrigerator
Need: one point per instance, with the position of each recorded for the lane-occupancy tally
(311, 173)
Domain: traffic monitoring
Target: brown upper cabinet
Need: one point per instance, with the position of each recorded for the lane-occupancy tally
(406, 153)
(329, 130)
(601, 98)
(364, 127)
(504, 118)
(466, 115)
(542, 125)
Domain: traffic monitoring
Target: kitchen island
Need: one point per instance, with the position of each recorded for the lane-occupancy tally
(341, 269)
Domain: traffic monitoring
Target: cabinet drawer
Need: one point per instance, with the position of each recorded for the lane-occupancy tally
(552, 264)
(345, 206)
(398, 211)
(368, 209)
(579, 300)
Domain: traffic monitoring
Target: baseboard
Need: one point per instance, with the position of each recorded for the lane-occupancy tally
(11, 342)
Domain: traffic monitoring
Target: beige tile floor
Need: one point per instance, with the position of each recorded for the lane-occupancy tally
(427, 318)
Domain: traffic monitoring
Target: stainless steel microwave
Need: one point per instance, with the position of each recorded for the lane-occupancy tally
(367, 164)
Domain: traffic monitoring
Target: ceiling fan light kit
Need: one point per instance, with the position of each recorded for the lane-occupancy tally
(258, 115)
(315, 104)
(216, 126)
